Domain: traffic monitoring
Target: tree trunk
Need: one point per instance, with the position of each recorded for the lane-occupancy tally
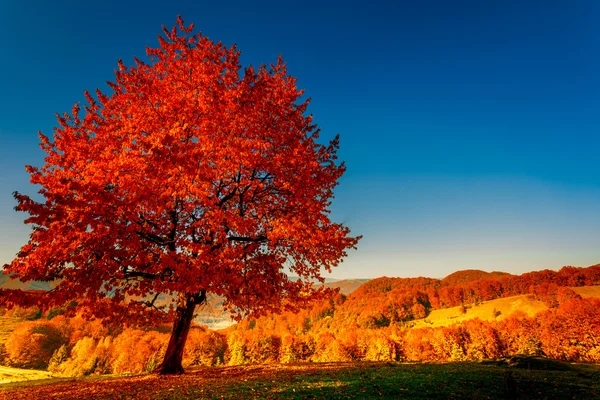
(184, 314)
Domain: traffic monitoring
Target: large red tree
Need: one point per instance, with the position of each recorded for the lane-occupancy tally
(193, 177)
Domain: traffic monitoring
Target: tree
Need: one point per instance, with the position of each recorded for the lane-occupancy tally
(190, 178)
(32, 344)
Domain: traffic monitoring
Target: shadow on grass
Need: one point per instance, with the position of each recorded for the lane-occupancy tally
(468, 380)
(541, 380)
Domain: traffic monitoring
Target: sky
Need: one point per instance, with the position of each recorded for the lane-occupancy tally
(470, 129)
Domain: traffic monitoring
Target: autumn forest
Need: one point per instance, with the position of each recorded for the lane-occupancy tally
(385, 319)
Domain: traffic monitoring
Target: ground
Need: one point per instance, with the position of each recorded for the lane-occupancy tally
(8, 374)
(524, 379)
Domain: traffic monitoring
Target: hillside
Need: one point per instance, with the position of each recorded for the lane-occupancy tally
(587, 291)
(7, 283)
(8, 375)
(470, 275)
(384, 301)
(411, 303)
(493, 310)
(346, 286)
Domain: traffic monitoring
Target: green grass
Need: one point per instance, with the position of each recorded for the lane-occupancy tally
(524, 379)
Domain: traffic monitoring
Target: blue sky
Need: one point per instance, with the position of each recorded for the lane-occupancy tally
(470, 129)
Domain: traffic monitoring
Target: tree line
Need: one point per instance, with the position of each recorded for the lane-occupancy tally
(342, 328)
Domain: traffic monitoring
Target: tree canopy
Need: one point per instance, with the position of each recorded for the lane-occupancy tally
(192, 177)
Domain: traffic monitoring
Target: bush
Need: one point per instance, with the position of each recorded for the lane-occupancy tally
(32, 344)
(135, 351)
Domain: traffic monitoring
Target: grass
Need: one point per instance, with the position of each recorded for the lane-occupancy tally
(587, 291)
(525, 379)
(484, 311)
(8, 374)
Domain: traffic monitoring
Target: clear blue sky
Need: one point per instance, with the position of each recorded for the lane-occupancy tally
(471, 129)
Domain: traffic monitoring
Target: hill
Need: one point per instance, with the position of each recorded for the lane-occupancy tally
(493, 310)
(384, 301)
(346, 286)
(587, 291)
(403, 303)
(8, 283)
(470, 275)
(8, 375)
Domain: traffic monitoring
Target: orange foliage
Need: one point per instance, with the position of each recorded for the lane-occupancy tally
(328, 332)
(376, 345)
(572, 332)
(32, 344)
(135, 351)
(87, 357)
(253, 347)
(193, 176)
(295, 348)
(520, 334)
(204, 347)
(484, 341)
(372, 322)
(328, 348)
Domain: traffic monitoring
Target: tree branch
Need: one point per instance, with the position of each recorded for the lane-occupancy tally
(152, 238)
(257, 239)
(139, 274)
(199, 298)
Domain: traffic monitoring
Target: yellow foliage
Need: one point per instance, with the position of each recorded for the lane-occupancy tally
(204, 347)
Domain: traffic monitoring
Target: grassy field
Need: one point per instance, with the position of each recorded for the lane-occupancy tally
(8, 374)
(587, 291)
(526, 379)
(484, 311)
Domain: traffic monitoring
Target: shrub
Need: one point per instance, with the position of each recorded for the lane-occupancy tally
(32, 344)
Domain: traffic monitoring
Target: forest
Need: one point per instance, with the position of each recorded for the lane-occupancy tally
(385, 319)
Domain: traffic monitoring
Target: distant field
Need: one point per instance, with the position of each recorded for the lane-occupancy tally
(587, 291)
(8, 374)
(528, 379)
(483, 311)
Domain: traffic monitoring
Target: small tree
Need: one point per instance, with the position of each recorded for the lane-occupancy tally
(191, 178)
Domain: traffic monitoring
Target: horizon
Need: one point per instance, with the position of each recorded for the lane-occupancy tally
(469, 130)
